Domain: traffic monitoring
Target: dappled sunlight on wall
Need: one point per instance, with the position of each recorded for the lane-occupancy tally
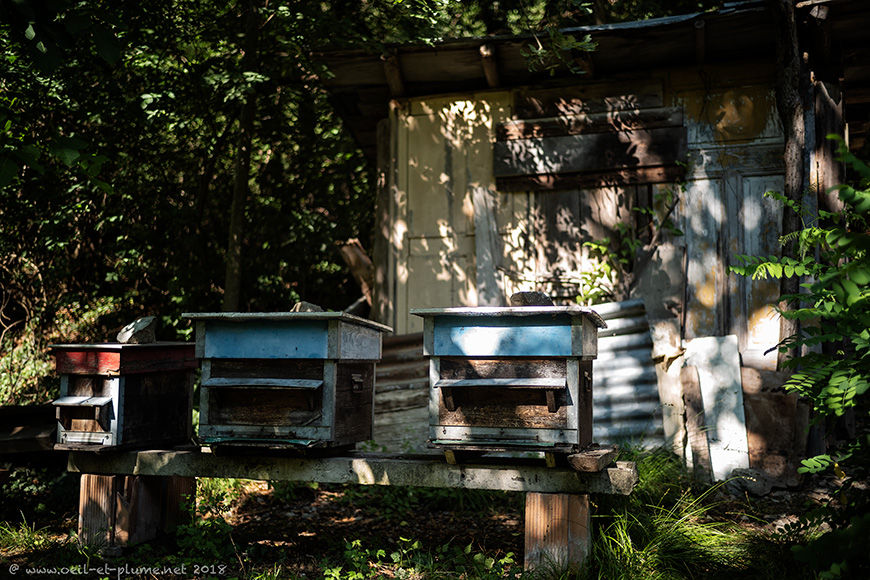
(735, 156)
(444, 171)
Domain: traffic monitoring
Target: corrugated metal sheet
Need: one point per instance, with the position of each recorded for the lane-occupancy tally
(625, 392)
(625, 396)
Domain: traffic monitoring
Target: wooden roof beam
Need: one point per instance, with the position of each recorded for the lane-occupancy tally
(490, 65)
(393, 72)
(700, 41)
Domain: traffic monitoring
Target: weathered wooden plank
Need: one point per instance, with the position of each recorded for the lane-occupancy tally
(266, 339)
(596, 152)
(127, 509)
(511, 383)
(504, 408)
(557, 529)
(586, 98)
(265, 368)
(620, 177)
(612, 121)
(263, 406)
(264, 382)
(363, 469)
(382, 300)
(463, 338)
(487, 245)
(465, 368)
(116, 358)
(537, 436)
(357, 343)
(718, 363)
(592, 460)
(263, 434)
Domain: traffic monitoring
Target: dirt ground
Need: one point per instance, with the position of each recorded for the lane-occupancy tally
(299, 529)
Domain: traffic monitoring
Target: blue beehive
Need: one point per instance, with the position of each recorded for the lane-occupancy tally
(512, 378)
(286, 379)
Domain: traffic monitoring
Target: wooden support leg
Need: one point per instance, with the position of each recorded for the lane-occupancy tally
(557, 531)
(118, 510)
(97, 510)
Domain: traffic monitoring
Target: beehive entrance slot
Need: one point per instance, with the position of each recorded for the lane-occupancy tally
(451, 387)
(83, 413)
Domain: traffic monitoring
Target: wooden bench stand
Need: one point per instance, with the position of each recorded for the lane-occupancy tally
(557, 517)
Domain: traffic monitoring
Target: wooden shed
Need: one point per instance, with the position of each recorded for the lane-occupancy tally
(494, 178)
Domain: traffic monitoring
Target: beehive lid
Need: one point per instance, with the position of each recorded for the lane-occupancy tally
(287, 335)
(287, 317)
(485, 312)
(114, 358)
(514, 331)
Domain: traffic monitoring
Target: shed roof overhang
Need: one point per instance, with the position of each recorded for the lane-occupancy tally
(362, 84)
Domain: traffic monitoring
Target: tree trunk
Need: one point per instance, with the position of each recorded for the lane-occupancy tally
(790, 106)
(241, 170)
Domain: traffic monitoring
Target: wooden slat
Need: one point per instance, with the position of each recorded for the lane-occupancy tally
(472, 368)
(592, 460)
(586, 98)
(311, 369)
(262, 406)
(609, 122)
(79, 401)
(276, 383)
(113, 358)
(590, 180)
(363, 469)
(594, 152)
(515, 383)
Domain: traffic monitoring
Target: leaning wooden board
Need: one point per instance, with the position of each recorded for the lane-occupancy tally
(294, 379)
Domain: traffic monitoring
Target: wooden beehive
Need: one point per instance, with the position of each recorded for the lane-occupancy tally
(124, 395)
(286, 379)
(515, 378)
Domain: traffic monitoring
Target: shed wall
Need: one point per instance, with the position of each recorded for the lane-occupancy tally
(456, 239)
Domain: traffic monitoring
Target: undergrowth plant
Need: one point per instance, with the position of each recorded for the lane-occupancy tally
(830, 354)
(613, 259)
(670, 527)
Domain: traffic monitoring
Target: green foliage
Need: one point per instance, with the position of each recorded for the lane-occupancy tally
(560, 51)
(830, 354)
(205, 535)
(216, 495)
(40, 492)
(841, 553)
(409, 560)
(614, 257)
(671, 528)
(24, 537)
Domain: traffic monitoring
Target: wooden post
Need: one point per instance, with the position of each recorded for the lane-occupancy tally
(557, 531)
(97, 509)
(118, 510)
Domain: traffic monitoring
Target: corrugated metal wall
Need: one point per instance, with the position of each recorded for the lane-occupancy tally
(625, 396)
(625, 392)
